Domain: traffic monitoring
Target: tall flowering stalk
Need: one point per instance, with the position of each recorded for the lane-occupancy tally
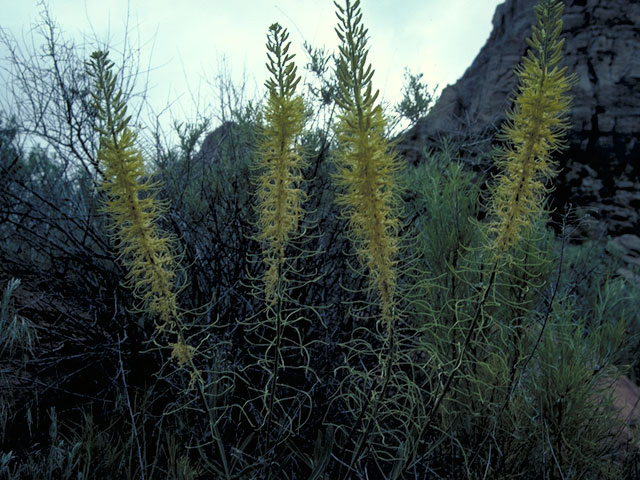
(366, 165)
(134, 212)
(534, 130)
(279, 195)
(280, 211)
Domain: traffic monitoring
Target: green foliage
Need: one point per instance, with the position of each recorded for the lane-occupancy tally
(443, 201)
(17, 341)
(552, 433)
(322, 86)
(473, 336)
(417, 100)
(600, 297)
(16, 332)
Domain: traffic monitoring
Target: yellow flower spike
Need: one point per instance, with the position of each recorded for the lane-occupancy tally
(534, 130)
(181, 353)
(279, 196)
(366, 166)
(133, 210)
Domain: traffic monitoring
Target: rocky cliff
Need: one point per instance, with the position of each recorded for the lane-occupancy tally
(601, 168)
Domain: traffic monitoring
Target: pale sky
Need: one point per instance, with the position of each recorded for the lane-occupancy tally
(439, 38)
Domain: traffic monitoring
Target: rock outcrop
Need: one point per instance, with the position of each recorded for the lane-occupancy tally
(215, 143)
(601, 168)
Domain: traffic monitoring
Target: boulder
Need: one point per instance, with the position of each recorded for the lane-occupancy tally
(216, 141)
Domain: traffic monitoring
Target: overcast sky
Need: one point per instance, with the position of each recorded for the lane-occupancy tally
(439, 38)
